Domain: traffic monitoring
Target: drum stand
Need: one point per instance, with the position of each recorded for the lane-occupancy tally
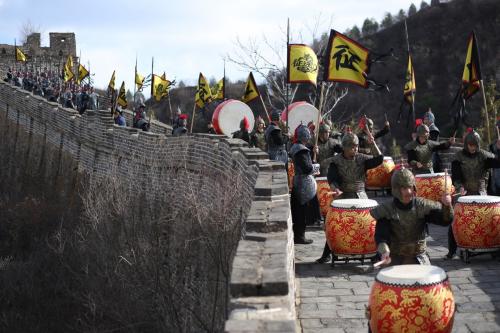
(466, 254)
(358, 257)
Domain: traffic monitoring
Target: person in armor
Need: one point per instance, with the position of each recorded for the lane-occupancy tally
(400, 229)
(258, 138)
(420, 150)
(327, 148)
(469, 173)
(429, 121)
(210, 128)
(140, 120)
(365, 126)
(494, 183)
(347, 173)
(242, 133)
(276, 140)
(304, 186)
(181, 128)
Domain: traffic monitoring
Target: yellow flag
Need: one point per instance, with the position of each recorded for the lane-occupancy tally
(20, 56)
(203, 92)
(111, 84)
(471, 76)
(347, 60)
(302, 64)
(139, 79)
(251, 91)
(410, 85)
(160, 87)
(122, 96)
(82, 73)
(218, 91)
(68, 69)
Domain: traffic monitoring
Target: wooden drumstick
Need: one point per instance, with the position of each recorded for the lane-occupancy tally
(382, 262)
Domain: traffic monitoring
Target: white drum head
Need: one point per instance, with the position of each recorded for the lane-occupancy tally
(484, 199)
(300, 113)
(387, 158)
(431, 175)
(319, 179)
(228, 115)
(354, 203)
(410, 275)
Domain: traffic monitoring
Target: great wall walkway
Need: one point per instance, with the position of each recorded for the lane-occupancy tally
(334, 299)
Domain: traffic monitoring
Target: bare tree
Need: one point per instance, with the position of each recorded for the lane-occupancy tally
(28, 28)
(268, 60)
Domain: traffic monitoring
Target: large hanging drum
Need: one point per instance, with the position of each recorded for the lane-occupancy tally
(477, 222)
(350, 229)
(228, 115)
(299, 113)
(411, 298)
(380, 177)
(324, 194)
(431, 185)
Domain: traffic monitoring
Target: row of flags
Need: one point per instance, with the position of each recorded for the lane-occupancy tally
(68, 74)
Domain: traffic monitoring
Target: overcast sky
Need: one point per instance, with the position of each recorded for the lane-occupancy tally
(186, 36)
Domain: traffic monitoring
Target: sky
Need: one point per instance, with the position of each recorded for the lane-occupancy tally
(185, 37)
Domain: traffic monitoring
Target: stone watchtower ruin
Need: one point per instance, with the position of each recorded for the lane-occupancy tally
(61, 44)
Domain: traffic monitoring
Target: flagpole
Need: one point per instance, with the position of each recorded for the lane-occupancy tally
(412, 90)
(285, 76)
(78, 68)
(320, 107)
(192, 118)
(486, 113)
(265, 109)
(135, 75)
(15, 56)
(152, 88)
(224, 82)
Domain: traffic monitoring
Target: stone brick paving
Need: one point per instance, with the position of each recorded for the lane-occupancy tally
(334, 299)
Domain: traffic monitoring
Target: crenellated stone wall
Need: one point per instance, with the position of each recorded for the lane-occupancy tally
(262, 276)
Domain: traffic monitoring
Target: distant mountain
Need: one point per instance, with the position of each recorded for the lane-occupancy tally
(438, 38)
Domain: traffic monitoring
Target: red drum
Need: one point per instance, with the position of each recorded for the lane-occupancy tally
(380, 177)
(324, 194)
(411, 298)
(350, 229)
(476, 224)
(291, 172)
(300, 113)
(431, 185)
(228, 115)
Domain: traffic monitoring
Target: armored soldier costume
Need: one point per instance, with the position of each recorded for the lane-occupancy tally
(364, 146)
(242, 133)
(347, 173)
(304, 186)
(469, 174)
(401, 224)
(258, 137)
(276, 141)
(327, 148)
(420, 151)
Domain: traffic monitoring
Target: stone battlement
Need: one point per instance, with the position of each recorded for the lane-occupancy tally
(262, 280)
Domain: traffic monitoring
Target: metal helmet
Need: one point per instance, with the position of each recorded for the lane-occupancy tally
(401, 179)
(369, 123)
(260, 121)
(422, 129)
(472, 137)
(349, 140)
(429, 115)
(275, 115)
(324, 128)
(302, 133)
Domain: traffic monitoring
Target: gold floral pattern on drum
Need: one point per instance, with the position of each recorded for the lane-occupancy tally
(432, 188)
(394, 308)
(381, 175)
(477, 226)
(350, 231)
(325, 196)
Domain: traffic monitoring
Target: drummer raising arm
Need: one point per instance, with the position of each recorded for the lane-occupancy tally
(469, 173)
(420, 150)
(400, 228)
